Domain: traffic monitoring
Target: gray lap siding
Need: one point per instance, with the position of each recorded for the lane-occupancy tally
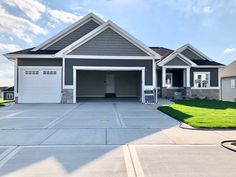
(69, 63)
(39, 62)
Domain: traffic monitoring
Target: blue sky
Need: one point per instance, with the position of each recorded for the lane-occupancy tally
(209, 25)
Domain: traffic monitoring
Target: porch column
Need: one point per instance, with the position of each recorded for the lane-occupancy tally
(188, 88)
(163, 76)
(188, 77)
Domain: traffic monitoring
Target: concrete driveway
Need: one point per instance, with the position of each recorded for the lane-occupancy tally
(106, 139)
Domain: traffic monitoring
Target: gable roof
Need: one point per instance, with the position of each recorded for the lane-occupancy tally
(205, 62)
(229, 71)
(69, 29)
(116, 28)
(9, 89)
(195, 50)
(174, 55)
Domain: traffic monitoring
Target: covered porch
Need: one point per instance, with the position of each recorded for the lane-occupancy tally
(173, 79)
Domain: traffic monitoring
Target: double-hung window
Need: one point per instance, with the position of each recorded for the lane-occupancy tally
(201, 79)
(232, 83)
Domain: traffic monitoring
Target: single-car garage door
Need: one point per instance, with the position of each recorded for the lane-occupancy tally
(39, 85)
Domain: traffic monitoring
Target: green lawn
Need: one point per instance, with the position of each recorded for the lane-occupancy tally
(234, 143)
(203, 113)
(4, 101)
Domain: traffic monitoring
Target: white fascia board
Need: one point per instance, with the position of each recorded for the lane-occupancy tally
(109, 57)
(40, 67)
(172, 56)
(135, 41)
(109, 68)
(102, 28)
(69, 29)
(193, 49)
(80, 41)
(13, 56)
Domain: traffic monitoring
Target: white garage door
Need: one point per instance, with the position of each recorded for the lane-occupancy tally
(40, 85)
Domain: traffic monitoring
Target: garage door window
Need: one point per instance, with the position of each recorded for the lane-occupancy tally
(49, 72)
(32, 72)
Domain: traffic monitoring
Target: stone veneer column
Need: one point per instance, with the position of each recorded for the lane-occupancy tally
(67, 96)
(163, 92)
(188, 92)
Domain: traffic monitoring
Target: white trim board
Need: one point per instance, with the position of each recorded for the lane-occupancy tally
(174, 55)
(69, 29)
(194, 50)
(102, 68)
(30, 56)
(39, 67)
(103, 27)
(108, 57)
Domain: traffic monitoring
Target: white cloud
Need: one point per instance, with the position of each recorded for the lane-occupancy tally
(230, 51)
(98, 14)
(62, 16)
(9, 47)
(32, 8)
(19, 27)
(208, 9)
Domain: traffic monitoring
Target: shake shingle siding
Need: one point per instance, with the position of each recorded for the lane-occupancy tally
(108, 43)
(73, 36)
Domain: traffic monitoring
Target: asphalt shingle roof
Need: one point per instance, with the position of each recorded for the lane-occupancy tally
(206, 62)
(229, 71)
(162, 51)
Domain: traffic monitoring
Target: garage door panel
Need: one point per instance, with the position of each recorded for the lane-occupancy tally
(41, 85)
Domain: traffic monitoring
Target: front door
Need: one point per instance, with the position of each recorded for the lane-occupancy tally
(110, 83)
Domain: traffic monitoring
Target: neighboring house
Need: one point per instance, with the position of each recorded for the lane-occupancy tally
(8, 94)
(1, 91)
(228, 82)
(93, 58)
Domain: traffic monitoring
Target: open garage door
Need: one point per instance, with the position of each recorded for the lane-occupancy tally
(40, 85)
(102, 84)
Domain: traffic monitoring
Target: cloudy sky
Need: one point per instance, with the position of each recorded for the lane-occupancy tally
(209, 25)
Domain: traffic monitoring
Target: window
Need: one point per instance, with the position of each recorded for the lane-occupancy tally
(169, 79)
(232, 83)
(9, 96)
(49, 72)
(32, 72)
(202, 80)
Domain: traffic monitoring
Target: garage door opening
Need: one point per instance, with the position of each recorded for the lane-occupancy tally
(108, 85)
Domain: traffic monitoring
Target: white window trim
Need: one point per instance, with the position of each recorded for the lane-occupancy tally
(102, 68)
(195, 86)
(232, 83)
(9, 96)
(171, 84)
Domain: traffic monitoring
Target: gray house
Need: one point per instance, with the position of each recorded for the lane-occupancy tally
(8, 94)
(93, 58)
(228, 82)
(1, 91)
